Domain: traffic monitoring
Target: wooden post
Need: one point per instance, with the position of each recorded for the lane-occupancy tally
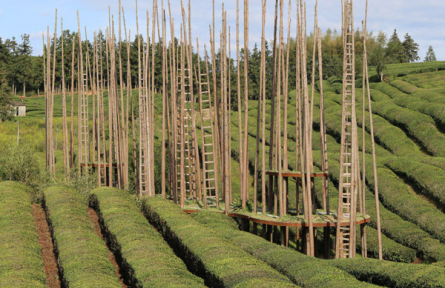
(246, 103)
(272, 113)
(263, 95)
(64, 125)
(374, 162)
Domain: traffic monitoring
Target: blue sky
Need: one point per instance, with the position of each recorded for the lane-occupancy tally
(423, 20)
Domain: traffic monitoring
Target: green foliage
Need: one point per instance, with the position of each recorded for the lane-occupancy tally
(20, 163)
(390, 274)
(21, 262)
(303, 270)
(82, 255)
(146, 257)
(430, 55)
(221, 263)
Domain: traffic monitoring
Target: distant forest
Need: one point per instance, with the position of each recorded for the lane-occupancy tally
(18, 68)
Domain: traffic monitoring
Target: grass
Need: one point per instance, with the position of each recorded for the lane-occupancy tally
(21, 263)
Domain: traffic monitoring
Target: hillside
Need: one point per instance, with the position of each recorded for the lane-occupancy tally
(409, 119)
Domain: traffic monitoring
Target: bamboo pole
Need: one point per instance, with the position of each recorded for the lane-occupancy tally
(230, 120)
(238, 92)
(272, 112)
(279, 85)
(72, 106)
(151, 133)
(53, 166)
(246, 102)
(263, 95)
(140, 107)
(164, 102)
(374, 162)
(64, 124)
(122, 146)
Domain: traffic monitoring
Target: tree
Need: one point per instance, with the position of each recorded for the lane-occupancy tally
(6, 108)
(379, 57)
(411, 49)
(430, 55)
(395, 50)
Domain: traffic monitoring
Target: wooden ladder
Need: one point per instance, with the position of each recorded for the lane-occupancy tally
(189, 148)
(209, 154)
(143, 142)
(347, 200)
(84, 129)
(101, 135)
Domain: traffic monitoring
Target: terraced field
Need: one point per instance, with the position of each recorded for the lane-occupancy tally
(109, 238)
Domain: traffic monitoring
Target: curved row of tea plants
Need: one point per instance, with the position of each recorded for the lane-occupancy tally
(82, 255)
(146, 258)
(21, 262)
(303, 270)
(419, 126)
(390, 274)
(393, 225)
(220, 263)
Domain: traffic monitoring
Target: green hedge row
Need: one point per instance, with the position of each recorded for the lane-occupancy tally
(390, 274)
(404, 86)
(434, 110)
(220, 263)
(146, 258)
(395, 197)
(419, 126)
(429, 179)
(431, 80)
(82, 255)
(303, 270)
(21, 262)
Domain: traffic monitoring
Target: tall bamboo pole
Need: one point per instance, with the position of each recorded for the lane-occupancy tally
(65, 125)
(238, 92)
(164, 100)
(72, 106)
(272, 112)
(53, 159)
(246, 102)
(374, 162)
(263, 95)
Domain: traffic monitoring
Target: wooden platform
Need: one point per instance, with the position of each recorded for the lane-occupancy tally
(296, 174)
(319, 219)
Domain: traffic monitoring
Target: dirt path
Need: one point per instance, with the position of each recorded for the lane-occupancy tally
(45, 241)
(95, 220)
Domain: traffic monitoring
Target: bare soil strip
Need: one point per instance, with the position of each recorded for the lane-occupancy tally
(45, 241)
(95, 220)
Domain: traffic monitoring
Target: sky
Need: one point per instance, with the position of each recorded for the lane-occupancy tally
(423, 20)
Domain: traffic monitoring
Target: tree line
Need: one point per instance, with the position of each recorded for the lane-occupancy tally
(19, 70)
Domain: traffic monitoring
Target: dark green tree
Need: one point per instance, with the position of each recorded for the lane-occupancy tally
(430, 55)
(411, 49)
(378, 56)
(395, 49)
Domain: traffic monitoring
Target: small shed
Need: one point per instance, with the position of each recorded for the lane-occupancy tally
(19, 109)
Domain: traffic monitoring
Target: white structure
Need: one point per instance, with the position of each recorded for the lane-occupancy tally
(19, 109)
